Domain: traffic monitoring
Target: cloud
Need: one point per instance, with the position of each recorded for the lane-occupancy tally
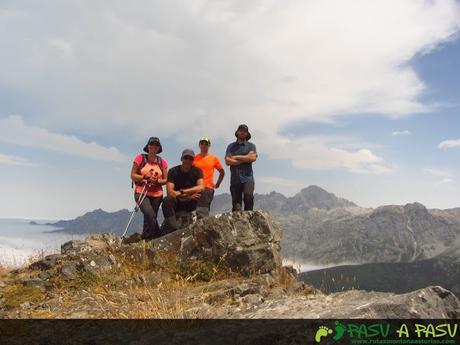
(286, 186)
(187, 68)
(14, 130)
(63, 48)
(280, 181)
(449, 144)
(404, 132)
(324, 153)
(443, 176)
(13, 160)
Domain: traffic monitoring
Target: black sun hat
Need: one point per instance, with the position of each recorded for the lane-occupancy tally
(244, 127)
(153, 140)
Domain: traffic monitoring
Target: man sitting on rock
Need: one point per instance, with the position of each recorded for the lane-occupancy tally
(184, 187)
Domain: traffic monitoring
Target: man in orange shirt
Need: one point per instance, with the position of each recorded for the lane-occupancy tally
(207, 162)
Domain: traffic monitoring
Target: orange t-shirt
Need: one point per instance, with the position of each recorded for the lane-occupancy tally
(207, 164)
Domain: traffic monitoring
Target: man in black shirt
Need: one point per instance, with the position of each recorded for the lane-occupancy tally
(184, 186)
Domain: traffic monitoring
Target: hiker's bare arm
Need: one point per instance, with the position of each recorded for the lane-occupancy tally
(164, 173)
(197, 189)
(249, 158)
(220, 178)
(230, 160)
(170, 190)
(136, 175)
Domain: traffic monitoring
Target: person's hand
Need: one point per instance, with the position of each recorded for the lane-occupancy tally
(196, 195)
(154, 179)
(217, 185)
(148, 175)
(180, 194)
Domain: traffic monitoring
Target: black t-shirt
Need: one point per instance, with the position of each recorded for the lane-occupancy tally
(184, 180)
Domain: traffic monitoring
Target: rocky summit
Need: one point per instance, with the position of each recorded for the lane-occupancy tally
(226, 266)
(248, 242)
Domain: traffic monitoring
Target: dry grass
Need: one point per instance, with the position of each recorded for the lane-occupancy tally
(126, 291)
(122, 293)
(15, 295)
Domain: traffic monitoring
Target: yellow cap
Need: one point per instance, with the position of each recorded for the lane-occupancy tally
(206, 139)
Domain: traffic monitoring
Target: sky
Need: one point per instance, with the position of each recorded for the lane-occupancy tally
(361, 98)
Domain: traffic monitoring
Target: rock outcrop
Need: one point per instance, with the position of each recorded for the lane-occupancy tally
(246, 242)
(418, 304)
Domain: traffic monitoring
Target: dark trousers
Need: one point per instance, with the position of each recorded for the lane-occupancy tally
(172, 205)
(204, 203)
(149, 208)
(240, 192)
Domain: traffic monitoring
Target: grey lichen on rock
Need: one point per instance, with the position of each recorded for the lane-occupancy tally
(247, 242)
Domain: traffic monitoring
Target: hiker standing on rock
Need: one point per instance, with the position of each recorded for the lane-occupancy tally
(207, 162)
(184, 187)
(239, 156)
(149, 171)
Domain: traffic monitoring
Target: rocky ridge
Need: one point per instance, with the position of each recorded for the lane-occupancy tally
(320, 228)
(225, 267)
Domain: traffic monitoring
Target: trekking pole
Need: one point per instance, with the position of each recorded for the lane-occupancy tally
(136, 208)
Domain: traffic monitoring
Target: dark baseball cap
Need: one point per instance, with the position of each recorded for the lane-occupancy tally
(187, 152)
(153, 140)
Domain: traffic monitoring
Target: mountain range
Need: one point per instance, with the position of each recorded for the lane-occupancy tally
(320, 228)
(99, 221)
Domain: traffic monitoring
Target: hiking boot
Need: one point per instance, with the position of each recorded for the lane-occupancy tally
(169, 225)
(136, 237)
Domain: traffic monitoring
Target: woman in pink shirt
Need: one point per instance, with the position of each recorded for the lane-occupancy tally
(151, 171)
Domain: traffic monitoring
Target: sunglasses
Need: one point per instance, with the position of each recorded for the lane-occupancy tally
(154, 144)
(188, 158)
(204, 143)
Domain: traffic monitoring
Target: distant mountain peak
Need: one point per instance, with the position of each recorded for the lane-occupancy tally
(316, 197)
(416, 208)
(313, 189)
(414, 205)
(315, 192)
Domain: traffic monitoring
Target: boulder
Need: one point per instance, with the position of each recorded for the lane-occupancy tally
(93, 243)
(69, 271)
(46, 263)
(433, 302)
(95, 264)
(246, 241)
(34, 282)
(430, 302)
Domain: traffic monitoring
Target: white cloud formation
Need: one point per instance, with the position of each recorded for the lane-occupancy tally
(443, 176)
(13, 130)
(280, 181)
(323, 153)
(449, 144)
(288, 187)
(12, 160)
(404, 132)
(183, 68)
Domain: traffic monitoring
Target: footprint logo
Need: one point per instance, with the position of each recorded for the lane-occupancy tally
(339, 331)
(322, 331)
